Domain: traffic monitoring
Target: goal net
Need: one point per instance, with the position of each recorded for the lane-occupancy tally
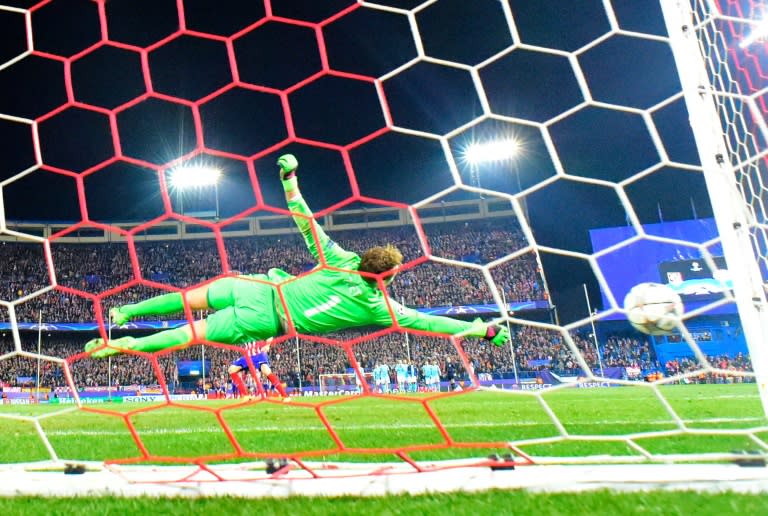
(531, 162)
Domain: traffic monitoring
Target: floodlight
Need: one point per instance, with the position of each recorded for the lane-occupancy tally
(194, 176)
(492, 151)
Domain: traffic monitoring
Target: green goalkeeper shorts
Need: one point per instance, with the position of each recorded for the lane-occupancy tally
(245, 310)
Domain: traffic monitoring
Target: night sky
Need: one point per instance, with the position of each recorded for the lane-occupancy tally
(341, 108)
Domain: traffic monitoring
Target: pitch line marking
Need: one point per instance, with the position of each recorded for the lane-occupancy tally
(279, 428)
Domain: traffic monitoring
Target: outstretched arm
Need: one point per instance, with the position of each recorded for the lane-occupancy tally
(304, 219)
(410, 318)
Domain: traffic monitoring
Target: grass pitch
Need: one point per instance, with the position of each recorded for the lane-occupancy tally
(679, 419)
(564, 424)
(596, 503)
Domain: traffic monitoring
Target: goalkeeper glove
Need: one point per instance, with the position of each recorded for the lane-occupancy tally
(495, 333)
(498, 335)
(288, 165)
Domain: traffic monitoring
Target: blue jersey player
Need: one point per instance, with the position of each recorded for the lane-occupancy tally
(425, 372)
(411, 377)
(381, 378)
(260, 361)
(400, 373)
(431, 374)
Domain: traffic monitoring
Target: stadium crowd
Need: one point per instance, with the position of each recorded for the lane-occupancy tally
(95, 268)
(730, 369)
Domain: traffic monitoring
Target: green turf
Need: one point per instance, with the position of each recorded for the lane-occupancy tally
(595, 503)
(596, 422)
(27, 445)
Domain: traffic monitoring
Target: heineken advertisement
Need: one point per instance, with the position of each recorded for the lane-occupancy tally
(86, 400)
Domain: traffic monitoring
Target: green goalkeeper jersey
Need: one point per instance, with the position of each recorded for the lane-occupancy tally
(327, 300)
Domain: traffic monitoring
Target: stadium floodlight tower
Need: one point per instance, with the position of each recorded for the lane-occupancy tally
(196, 177)
(495, 152)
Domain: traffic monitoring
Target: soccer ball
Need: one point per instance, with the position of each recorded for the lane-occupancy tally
(653, 308)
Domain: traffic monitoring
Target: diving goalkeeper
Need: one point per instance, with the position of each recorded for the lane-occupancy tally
(249, 307)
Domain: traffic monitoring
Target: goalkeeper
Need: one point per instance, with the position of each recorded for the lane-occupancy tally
(249, 307)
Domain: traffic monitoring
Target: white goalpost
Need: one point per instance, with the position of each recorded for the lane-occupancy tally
(725, 121)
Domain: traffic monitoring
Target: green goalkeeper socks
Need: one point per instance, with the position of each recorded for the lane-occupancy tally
(163, 340)
(149, 344)
(170, 303)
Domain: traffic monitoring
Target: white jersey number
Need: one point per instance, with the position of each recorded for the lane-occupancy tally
(324, 307)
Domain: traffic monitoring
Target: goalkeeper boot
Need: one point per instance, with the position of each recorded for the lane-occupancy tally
(101, 351)
(118, 316)
(93, 344)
